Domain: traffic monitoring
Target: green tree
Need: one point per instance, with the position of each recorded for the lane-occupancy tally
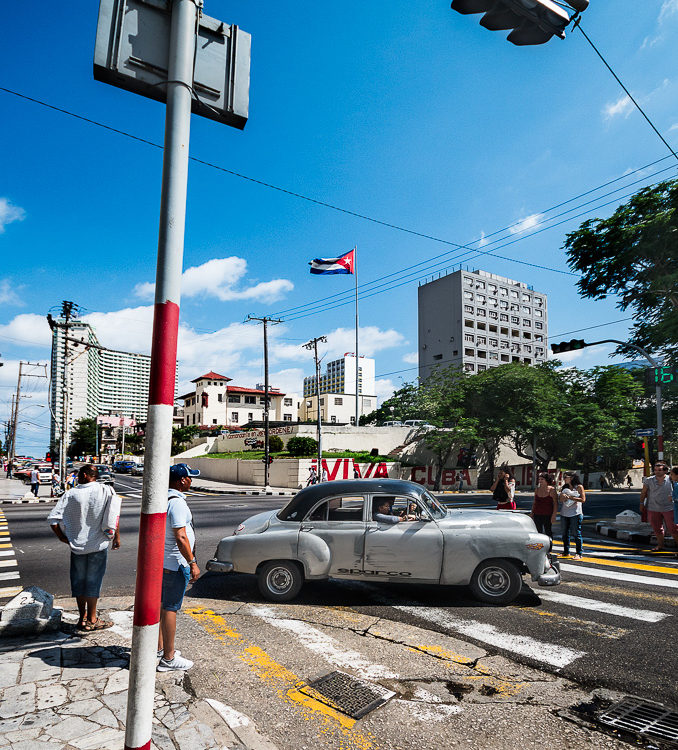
(83, 437)
(181, 436)
(634, 254)
(275, 444)
(442, 442)
(302, 446)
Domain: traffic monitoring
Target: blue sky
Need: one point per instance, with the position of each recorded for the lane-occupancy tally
(410, 114)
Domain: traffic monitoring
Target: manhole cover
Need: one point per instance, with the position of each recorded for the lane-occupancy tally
(348, 694)
(651, 720)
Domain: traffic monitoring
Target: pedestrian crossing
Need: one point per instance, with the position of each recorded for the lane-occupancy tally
(9, 570)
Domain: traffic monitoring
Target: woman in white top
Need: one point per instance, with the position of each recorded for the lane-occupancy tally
(572, 497)
(504, 489)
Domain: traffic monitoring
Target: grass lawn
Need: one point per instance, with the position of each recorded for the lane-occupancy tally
(258, 455)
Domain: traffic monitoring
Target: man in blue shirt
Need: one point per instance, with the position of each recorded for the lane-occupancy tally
(179, 565)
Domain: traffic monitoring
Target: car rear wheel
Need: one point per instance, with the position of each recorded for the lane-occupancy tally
(280, 580)
(496, 582)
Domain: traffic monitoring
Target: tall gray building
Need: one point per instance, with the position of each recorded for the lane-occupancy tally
(476, 320)
(98, 380)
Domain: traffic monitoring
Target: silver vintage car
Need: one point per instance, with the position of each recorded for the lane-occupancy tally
(386, 530)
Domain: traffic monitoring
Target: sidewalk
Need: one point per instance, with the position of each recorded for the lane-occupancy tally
(16, 491)
(227, 488)
(67, 690)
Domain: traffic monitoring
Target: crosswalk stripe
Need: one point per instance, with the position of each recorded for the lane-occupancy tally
(632, 566)
(6, 552)
(617, 576)
(8, 563)
(603, 607)
(9, 591)
(548, 653)
(8, 576)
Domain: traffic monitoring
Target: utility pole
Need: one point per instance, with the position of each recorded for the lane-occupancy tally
(9, 432)
(313, 344)
(265, 320)
(17, 398)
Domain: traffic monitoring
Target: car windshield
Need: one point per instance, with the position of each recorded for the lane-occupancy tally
(433, 506)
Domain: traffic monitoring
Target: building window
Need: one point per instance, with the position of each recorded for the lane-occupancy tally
(481, 326)
(468, 337)
(220, 397)
(515, 333)
(503, 291)
(481, 299)
(469, 353)
(538, 314)
(437, 356)
(482, 354)
(338, 401)
(468, 309)
(494, 355)
(469, 367)
(492, 288)
(262, 400)
(503, 318)
(288, 402)
(287, 417)
(250, 416)
(480, 312)
(514, 294)
(538, 325)
(480, 284)
(514, 308)
(504, 345)
(333, 418)
(527, 348)
(493, 329)
(214, 421)
(493, 315)
(515, 319)
(322, 401)
(233, 399)
(481, 340)
(504, 304)
(468, 295)
(494, 342)
(538, 337)
(481, 368)
(250, 399)
(504, 358)
(468, 281)
(527, 323)
(234, 416)
(309, 404)
(468, 323)
(527, 335)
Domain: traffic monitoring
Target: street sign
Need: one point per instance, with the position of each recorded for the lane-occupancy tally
(132, 52)
(645, 432)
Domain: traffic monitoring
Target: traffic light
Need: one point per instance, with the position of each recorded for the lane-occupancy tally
(530, 21)
(568, 346)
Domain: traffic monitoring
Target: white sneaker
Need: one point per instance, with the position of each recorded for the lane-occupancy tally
(177, 663)
(160, 653)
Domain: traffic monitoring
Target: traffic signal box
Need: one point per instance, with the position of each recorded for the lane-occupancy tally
(660, 376)
(568, 346)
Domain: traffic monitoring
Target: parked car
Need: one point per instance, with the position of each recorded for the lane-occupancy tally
(137, 470)
(327, 530)
(123, 467)
(105, 475)
(392, 423)
(44, 472)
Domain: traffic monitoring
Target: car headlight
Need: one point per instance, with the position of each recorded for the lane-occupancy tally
(239, 529)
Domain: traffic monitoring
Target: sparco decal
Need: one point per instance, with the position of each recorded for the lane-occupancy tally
(359, 572)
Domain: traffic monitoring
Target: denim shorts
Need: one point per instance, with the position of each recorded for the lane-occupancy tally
(87, 573)
(174, 583)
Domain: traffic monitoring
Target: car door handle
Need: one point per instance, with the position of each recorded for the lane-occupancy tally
(306, 528)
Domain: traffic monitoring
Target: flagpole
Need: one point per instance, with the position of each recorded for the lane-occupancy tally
(357, 389)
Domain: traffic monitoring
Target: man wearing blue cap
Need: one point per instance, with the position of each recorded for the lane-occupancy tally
(179, 565)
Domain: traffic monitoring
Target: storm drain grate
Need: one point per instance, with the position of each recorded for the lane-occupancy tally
(348, 694)
(651, 720)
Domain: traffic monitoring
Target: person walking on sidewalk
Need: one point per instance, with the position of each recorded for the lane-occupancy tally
(504, 489)
(572, 497)
(545, 505)
(87, 519)
(658, 490)
(35, 480)
(10, 466)
(179, 565)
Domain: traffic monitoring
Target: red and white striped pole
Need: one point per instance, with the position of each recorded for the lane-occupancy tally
(143, 660)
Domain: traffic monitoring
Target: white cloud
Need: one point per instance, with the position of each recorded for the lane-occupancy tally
(384, 388)
(622, 107)
(218, 278)
(9, 213)
(8, 294)
(412, 358)
(370, 340)
(522, 225)
(28, 329)
(674, 126)
(482, 241)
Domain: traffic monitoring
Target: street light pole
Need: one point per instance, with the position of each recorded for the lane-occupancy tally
(658, 389)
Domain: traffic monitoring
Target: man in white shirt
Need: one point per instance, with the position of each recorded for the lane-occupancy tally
(35, 480)
(179, 565)
(87, 518)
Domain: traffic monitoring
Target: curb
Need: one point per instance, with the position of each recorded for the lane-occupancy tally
(239, 492)
(20, 500)
(636, 537)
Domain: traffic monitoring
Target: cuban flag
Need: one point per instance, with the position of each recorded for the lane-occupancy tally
(334, 265)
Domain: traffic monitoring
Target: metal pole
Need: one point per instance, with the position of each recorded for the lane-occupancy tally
(266, 449)
(122, 424)
(96, 442)
(534, 461)
(16, 413)
(357, 389)
(320, 421)
(141, 691)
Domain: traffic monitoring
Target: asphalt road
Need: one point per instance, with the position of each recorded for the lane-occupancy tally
(609, 624)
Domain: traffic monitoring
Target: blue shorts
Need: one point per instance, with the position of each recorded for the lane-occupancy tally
(87, 573)
(174, 583)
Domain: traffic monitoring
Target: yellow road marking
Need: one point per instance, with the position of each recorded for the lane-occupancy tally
(10, 591)
(631, 548)
(594, 628)
(600, 588)
(5, 545)
(287, 685)
(629, 565)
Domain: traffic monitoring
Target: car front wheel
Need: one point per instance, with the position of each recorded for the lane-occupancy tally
(280, 580)
(496, 582)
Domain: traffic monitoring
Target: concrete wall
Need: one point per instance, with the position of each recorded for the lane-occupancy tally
(384, 439)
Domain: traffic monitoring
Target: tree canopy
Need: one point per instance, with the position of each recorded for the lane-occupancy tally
(634, 254)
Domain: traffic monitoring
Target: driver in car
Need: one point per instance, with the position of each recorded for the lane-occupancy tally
(382, 511)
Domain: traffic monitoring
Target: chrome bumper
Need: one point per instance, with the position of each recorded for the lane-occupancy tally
(552, 576)
(216, 566)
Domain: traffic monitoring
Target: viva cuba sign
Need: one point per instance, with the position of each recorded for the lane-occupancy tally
(343, 468)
